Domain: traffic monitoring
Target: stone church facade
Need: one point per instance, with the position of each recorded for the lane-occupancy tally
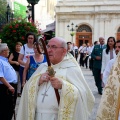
(94, 19)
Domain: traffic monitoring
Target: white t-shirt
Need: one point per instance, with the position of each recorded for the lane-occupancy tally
(75, 47)
(81, 49)
(87, 50)
(27, 52)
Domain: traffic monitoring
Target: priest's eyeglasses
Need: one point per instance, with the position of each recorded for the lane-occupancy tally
(52, 47)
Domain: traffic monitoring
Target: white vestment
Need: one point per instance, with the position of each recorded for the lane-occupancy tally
(109, 107)
(106, 73)
(76, 99)
(46, 109)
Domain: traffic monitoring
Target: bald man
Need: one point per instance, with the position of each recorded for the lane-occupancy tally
(38, 101)
(96, 55)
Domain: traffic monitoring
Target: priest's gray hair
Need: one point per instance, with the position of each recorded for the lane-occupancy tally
(3, 46)
(64, 44)
(62, 40)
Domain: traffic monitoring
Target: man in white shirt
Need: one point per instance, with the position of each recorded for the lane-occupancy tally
(81, 50)
(86, 54)
(75, 49)
(110, 63)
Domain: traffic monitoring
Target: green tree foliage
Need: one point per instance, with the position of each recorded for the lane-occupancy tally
(3, 8)
(16, 31)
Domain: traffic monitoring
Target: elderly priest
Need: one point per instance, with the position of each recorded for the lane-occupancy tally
(40, 100)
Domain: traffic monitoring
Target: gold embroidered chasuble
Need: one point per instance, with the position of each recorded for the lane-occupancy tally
(110, 102)
(76, 99)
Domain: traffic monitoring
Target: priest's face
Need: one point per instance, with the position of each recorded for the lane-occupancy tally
(56, 51)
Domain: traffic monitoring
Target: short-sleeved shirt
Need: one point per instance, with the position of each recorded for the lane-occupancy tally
(26, 51)
(75, 49)
(81, 49)
(7, 71)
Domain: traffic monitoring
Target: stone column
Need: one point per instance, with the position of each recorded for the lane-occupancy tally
(101, 27)
(96, 24)
(67, 33)
(61, 28)
(56, 26)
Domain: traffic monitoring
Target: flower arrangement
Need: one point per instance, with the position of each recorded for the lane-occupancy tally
(16, 31)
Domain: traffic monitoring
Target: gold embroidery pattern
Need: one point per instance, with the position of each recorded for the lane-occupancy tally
(109, 106)
(69, 99)
(31, 96)
(69, 102)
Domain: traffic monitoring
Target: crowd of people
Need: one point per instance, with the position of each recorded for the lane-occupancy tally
(96, 57)
(61, 92)
(105, 68)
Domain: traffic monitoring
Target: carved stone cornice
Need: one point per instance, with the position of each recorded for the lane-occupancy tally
(105, 20)
(63, 20)
(89, 12)
(88, 8)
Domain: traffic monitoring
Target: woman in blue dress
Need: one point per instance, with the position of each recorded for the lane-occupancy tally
(33, 62)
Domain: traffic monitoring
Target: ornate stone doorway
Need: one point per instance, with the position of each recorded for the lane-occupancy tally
(83, 35)
(118, 34)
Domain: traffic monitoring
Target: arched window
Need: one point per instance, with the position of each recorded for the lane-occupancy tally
(84, 28)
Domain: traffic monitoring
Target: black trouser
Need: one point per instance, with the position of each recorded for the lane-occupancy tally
(91, 64)
(21, 69)
(7, 102)
(76, 56)
(81, 59)
(86, 61)
(97, 77)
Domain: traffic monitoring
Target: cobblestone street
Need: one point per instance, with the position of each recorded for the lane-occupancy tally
(90, 80)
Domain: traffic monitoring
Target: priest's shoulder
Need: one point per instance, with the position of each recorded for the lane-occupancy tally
(68, 64)
(42, 65)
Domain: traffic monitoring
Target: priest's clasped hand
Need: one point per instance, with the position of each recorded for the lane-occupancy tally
(56, 83)
(44, 78)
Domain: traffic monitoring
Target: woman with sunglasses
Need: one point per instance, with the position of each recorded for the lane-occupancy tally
(25, 52)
